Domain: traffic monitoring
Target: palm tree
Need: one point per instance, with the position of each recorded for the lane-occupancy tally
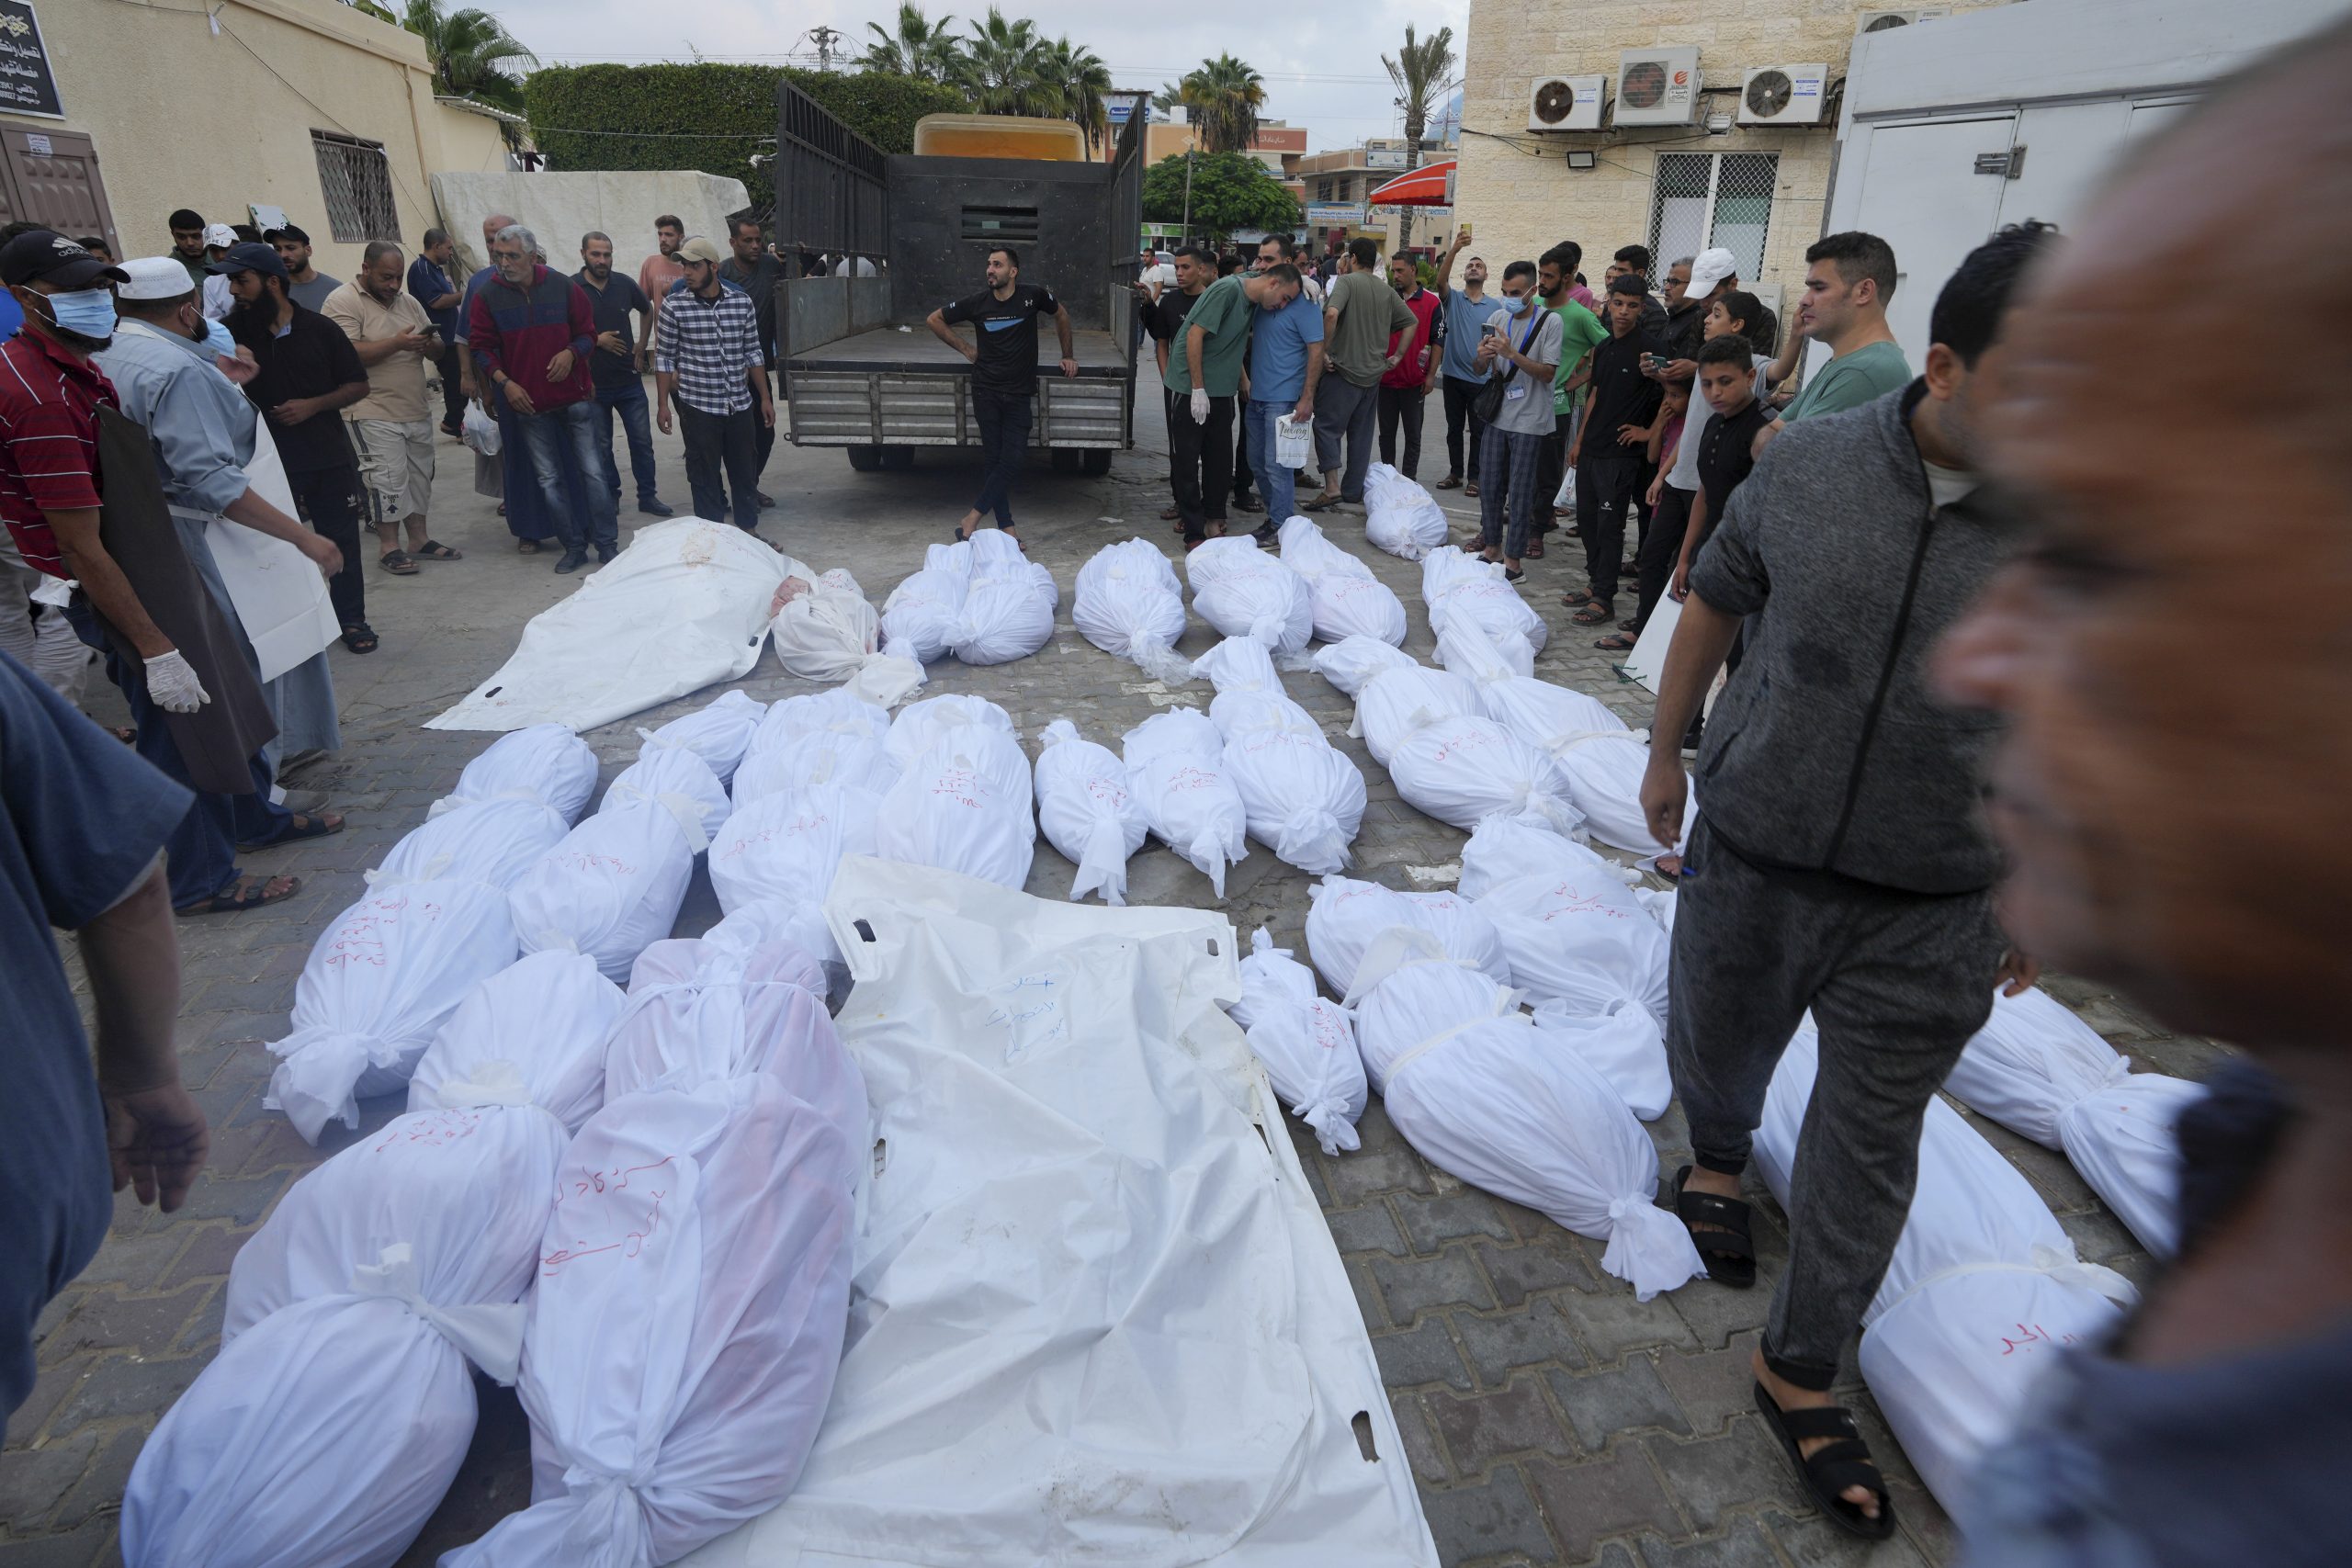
(1424, 73)
(1223, 95)
(1005, 68)
(473, 55)
(919, 48)
(1167, 100)
(1082, 81)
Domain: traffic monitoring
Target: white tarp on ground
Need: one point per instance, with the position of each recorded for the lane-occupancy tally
(1150, 1354)
(685, 605)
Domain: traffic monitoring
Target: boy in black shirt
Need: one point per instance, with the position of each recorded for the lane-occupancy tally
(1004, 373)
(1610, 443)
(1726, 445)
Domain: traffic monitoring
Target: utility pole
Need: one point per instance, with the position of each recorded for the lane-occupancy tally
(824, 38)
(1187, 196)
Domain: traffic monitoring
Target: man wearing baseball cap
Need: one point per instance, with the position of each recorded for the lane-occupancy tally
(218, 238)
(309, 285)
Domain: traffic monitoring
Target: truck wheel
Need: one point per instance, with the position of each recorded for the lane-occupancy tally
(898, 458)
(1095, 461)
(1065, 459)
(864, 460)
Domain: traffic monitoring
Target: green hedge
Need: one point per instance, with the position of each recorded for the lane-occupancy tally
(647, 101)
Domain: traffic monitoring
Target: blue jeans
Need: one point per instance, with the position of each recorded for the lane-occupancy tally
(546, 435)
(637, 422)
(1277, 486)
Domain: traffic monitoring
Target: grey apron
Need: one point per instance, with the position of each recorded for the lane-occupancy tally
(218, 741)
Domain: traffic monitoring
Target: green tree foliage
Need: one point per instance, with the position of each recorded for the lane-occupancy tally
(1230, 191)
(1083, 85)
(473, 55)
(916, 46)
(711, 117)
(1224, 95)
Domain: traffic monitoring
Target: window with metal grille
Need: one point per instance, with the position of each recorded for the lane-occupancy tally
(1703, 199)
(1000, 225)
(356, 179)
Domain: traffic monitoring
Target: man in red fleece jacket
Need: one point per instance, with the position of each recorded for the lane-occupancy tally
(530, 333)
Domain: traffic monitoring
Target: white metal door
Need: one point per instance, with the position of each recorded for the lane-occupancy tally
(2063, 151)
(1923, 196)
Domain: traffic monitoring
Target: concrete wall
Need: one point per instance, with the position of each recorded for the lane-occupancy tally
(471, 144)
(181, 117)
(1518, 192)
(559, 207)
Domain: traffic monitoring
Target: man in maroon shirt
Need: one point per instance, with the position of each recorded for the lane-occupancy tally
(1402, 389)
(530, 333)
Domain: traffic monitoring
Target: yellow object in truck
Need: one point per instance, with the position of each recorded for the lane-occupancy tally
(1000, 136)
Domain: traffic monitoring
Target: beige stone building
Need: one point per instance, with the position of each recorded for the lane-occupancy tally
(1713, 177)
(122, 110)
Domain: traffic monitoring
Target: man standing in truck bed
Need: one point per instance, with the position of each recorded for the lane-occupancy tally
(1004, 374)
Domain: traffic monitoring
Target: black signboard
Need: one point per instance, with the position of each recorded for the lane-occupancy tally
(27, 85)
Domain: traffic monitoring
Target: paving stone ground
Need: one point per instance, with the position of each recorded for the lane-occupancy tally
(1548, 1418)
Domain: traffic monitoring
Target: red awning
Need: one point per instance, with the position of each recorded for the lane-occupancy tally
(1425, 187)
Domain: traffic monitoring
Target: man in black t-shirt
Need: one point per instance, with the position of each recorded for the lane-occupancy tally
(1004, 373)
(1726, 441)
(1610, 444)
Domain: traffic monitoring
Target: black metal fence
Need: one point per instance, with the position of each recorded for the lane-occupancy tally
(832, 188)
(1127, 228)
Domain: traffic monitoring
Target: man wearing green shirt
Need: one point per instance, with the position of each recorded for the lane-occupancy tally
(1848, 280)
(1203, 381)
(1581, 331)
(1358, 316)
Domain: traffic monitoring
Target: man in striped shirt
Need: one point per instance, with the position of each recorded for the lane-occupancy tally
(706, 355)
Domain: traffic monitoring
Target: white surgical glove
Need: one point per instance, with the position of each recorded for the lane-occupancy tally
(172, 684)
(1200, 406)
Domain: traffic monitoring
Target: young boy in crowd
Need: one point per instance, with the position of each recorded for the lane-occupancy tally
(1726, 443)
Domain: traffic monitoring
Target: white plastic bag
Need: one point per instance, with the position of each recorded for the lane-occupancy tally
(1457, 584)
(1984, 1289)
(1088, 812)
(613, 885)
(1346, 599)
(686, 1326)
(1623, 1047)
(718, 732)
(1294, 440)
(1461, 769)
(1008, 607)
(1346, 917)
(671, 773)
(1395, 704)
(481, 432)
(1399, 516)
(377, 985)
(1244, 591)
(466, 1193)
(783, 849)
(1175, 764)
(1307, 1042)
(1128, 604)
(827, 756)
(481, 840)
(533, 1034)
(918, 617)
(1582, 940)
(920, 726)
(963, 805)
(2038, 1069)
(545, 763)
(1351, 662)
(1536, 711)
(1604, 772)
(1302, 798)
(1480, 1091)
(700, 1011)
(1506, 847)
(812, 713)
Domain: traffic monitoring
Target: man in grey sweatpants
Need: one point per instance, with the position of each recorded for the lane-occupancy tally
(1840, 861)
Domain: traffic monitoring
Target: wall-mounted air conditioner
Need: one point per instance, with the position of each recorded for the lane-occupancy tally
(1565, 103)
(1657, 86)
(1880, 21)
(1783, 95)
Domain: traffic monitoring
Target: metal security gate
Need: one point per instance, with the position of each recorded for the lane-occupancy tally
(832, 186)
(1119, 262)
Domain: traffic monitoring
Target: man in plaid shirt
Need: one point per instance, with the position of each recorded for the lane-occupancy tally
(706, 355)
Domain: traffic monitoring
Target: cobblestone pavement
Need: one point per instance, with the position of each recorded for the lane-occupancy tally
(1548, 1417)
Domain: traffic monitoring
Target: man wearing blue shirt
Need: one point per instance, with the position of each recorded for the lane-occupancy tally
(429, 281)
(1286, 364)
(1466, 309)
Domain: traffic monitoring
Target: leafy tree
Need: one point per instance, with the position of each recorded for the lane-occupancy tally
(1005, 69)
(473, 55)
(1083, 82)
(1225, 96)
(917, 47)
(1424, 73)
(1230, 191)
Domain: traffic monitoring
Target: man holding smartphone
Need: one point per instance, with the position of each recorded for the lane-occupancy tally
(391, 427)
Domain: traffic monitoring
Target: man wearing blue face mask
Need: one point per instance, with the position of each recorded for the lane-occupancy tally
(1519, 344)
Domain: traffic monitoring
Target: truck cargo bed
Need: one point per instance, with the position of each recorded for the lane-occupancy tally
(892, 388)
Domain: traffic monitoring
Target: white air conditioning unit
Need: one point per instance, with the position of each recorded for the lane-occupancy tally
(1565, 103)
(1783, 95)
(1657, 86)
(1880, 21)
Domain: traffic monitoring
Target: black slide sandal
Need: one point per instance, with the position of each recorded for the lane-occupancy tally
(1843, 1461)
(1729, 1253)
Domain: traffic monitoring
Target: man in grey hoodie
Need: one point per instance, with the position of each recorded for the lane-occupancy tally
(1841, 862)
